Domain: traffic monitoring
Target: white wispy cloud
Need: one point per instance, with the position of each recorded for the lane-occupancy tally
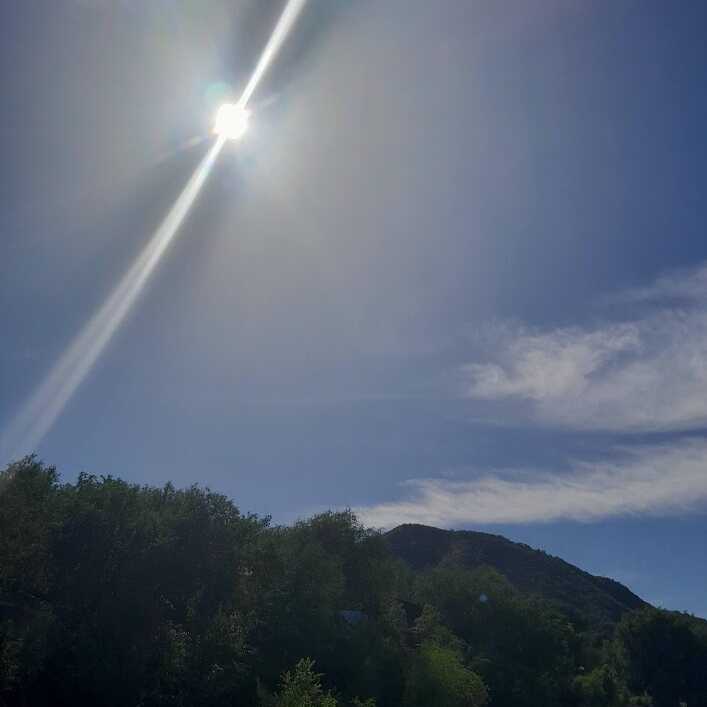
(650, 480)
(687, 285)
(646, 374)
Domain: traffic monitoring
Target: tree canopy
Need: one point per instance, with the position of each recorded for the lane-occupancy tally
(117, 594)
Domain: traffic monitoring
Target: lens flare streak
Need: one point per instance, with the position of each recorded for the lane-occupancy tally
(46, 404)
(282, 29)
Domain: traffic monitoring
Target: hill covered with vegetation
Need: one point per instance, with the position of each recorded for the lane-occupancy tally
(119, 595)
(596, 602)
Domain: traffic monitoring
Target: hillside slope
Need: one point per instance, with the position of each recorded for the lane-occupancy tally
(598, 601)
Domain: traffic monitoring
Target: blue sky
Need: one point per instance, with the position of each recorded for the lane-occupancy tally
(455, 274)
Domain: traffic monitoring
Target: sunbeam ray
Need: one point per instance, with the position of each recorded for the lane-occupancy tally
(42, 409)
(282, 29)
(45, 405)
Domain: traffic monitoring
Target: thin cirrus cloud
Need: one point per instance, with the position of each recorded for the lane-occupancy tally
(650, 480)
(648, 374)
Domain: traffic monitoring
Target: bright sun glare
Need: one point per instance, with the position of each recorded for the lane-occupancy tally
(47, 402)
(231, 121)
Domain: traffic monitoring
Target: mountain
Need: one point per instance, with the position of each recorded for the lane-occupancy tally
(597, 601)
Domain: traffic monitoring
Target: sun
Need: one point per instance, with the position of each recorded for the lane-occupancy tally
(231, 121)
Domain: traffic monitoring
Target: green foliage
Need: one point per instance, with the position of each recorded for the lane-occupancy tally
(302, 687)
(28, 516)
(600, 687)
(595, 603)
(370, 702)
(438, 677)
(524, 649)
(118, 594)
(303, 578)
(113, 594)
(659, 652)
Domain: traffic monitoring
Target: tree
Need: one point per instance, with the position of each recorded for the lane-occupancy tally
(438, 677)
(658, 652)
(117, 594)
(302, 687)
(522, 647)
(600, 687)
(29, 515)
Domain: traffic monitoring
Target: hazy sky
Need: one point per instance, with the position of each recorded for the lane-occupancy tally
(456, 273)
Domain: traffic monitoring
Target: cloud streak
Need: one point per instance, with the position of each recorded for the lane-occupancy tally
(651, 480)
(646, 374)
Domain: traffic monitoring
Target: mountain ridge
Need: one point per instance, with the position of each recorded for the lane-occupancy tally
(585, 597)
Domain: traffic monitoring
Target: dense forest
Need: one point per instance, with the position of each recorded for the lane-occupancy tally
(125, 595)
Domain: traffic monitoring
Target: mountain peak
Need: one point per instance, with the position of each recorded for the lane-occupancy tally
(600, 601)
